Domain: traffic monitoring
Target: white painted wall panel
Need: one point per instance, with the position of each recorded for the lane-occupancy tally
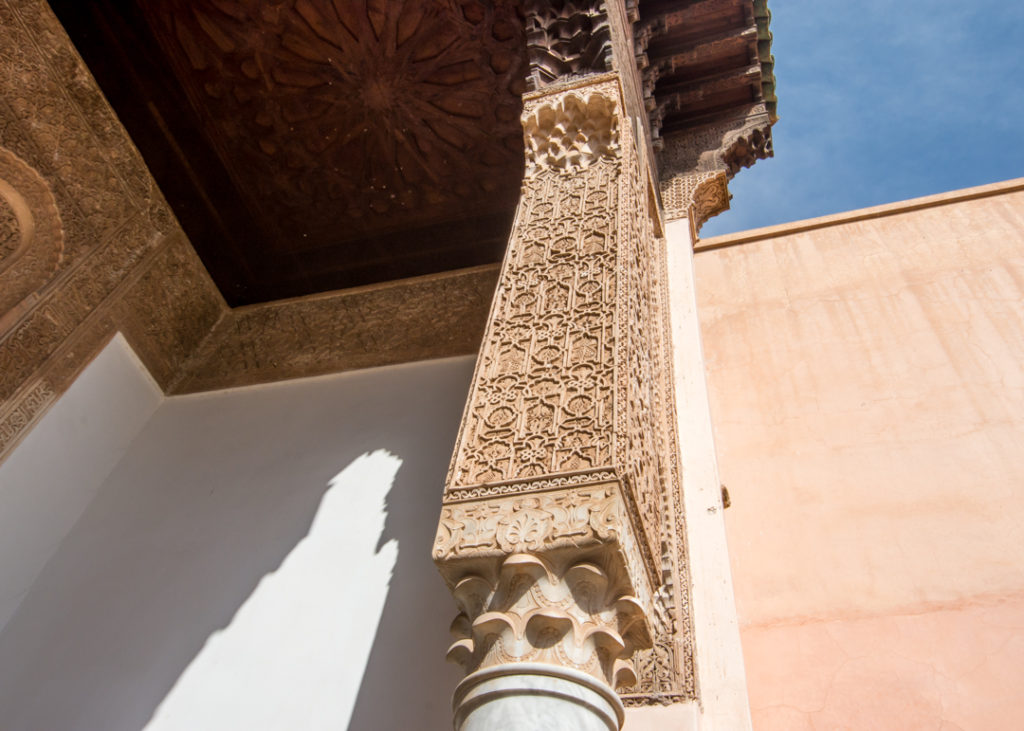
(259, 559)
(49, 479)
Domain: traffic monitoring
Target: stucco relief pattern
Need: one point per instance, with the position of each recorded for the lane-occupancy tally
(31, 233)
(695, 166)
(568, 392)
(90, 215)
(702, 194)
(529, 523)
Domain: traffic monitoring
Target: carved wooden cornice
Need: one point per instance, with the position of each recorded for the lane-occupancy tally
(566, 39)
(709, 90)
(713, 151)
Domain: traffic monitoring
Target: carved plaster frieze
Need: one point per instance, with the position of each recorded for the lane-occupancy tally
(698, 195)
(574, 309)
(88, 248)
(31, 233)
(433, 316)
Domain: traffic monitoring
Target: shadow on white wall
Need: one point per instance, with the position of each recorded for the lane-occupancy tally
(292, 658)
(225, 575)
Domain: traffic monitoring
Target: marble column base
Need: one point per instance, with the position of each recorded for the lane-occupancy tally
(535, 697)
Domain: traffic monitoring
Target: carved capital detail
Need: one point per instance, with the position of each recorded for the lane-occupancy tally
(571, 132)
(579, 614)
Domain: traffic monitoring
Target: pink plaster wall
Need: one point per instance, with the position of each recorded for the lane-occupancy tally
(950, 669)
(866, 375)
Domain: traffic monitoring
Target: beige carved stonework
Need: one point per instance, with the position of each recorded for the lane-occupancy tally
(434, 316)
(573, 614)
(563, 471)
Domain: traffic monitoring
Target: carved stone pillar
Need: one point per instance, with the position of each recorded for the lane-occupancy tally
(550, 535)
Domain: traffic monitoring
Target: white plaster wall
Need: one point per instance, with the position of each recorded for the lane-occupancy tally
(51, 477)
(258, 559)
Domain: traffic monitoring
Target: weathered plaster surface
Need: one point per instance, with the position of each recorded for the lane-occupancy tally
(867, 386)
(960, 667)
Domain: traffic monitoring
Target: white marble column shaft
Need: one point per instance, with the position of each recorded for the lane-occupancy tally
(535, 697)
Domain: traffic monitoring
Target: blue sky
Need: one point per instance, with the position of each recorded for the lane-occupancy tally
(884, 100)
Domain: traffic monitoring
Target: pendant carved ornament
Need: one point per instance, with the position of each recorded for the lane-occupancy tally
(565, 39)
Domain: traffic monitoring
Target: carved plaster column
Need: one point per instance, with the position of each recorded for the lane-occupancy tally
(550, 535)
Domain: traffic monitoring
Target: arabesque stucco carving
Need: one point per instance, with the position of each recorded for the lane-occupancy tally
(563, 455)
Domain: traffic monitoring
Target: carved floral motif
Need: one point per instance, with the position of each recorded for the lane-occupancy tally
(706, 194)
(532, 522)
(372, 110)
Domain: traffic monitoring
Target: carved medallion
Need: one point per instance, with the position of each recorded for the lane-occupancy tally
(31, 236)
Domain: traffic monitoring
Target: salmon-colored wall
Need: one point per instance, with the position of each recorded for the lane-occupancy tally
(866, 375)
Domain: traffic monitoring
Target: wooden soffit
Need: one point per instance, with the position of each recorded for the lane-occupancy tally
(310, 145)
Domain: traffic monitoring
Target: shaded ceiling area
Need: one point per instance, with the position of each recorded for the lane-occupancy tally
(309, 145)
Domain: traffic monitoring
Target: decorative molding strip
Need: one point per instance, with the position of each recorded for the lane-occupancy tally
(476, 492)
(22, 414)
(435, 316)
(572, 517)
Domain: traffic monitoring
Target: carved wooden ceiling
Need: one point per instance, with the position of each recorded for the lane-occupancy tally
(308, 145)
(706, 59)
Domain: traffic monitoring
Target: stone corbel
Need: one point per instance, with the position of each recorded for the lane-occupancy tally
(695, 165)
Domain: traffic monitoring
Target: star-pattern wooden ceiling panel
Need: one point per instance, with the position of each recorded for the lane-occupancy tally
(309, 145)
